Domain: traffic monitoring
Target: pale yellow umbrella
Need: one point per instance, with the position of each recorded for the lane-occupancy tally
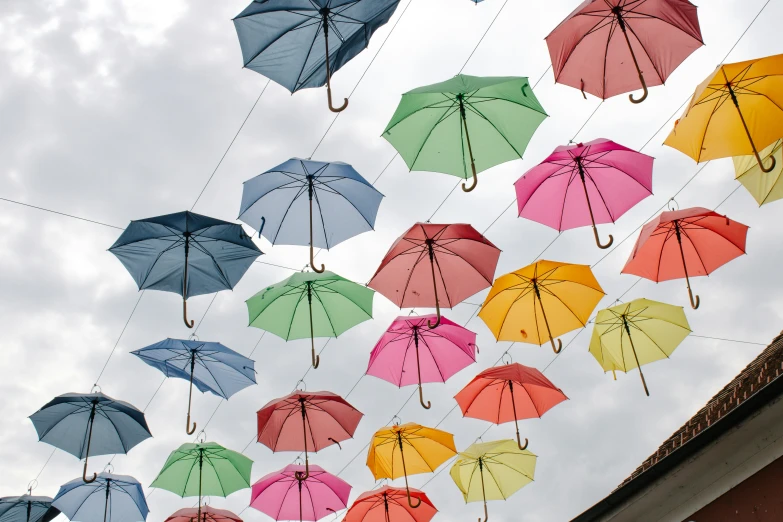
(765, 187)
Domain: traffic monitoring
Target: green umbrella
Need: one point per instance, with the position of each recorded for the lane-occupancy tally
(206, 468)
(309, 304)
(465, 125)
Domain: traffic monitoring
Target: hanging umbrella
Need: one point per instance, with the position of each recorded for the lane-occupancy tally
(90, 424)
(540, 302)
(765, 187)
(205, 468)
(439, 353)
(465, 125)
(159, 253)
(589, 53)
(585, 184)
(629, 335)
(212, 367)
(282, 39)
(27, 508)
(278, 202)
(310, 305)
(736, 111)
(492, 471)
(303, 420)
(487, 396)
(296, 493)
(388, 505)
(686, 243)
(207, 514)
(463, 260)
(111, 498)
(408, 449)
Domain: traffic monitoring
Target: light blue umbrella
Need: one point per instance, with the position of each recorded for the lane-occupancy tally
(27, 508)
(288, 40)
(212, 367)
(279, 202)
(90, 424)
(158, 252)
(111, 498)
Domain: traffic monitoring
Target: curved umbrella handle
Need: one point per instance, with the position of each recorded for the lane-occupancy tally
(426, 406)
(559, 347)
(519, 443)
(410, 502)
(329, 97)
(465, 187)
(84, 474)
(694, 303)
(437, 320)
(192, 323)
(486, 515)
(312, 261)
(598, 239)
(644, 86)
(761, 163)
(316, 357)
(188, 429)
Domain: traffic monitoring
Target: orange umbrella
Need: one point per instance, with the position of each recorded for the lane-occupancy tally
(389, 505)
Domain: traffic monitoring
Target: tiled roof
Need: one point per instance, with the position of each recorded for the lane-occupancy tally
(767, 367)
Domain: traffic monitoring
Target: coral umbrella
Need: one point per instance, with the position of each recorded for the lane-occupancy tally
(294, 493)
(434, 265)
(388, 505)
(736, 111)
(585, 184)
(208, 514)
(408, 449)
(686, 243)
(305, 421)
(540, 302)
(603, 46)
(765, 187)
(439, 353)
(629, 335)
(487, 396)
(492, 471)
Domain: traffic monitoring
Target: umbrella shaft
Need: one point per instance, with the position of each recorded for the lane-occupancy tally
(584, 186)
(106, 504)
(543, 313)
(742, 118)
(636, 358)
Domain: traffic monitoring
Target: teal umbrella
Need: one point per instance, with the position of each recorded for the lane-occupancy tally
(309, 304)
(465, 125)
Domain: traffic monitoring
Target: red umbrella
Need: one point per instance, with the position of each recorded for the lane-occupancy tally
(605, 46)
(305, 421)
(686, 243)
(390, 505)
(208, 514)
(511, 392)
(434, 265)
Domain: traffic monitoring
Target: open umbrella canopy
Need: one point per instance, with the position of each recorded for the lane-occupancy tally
(610, 47)
(465, 125)
(765, 187)
(310, 304)
(208, 514)
(295, 494)
(332, 198)
(90, 424)
(185, 253)
(111, 498)
(389, 504)
(27, 508)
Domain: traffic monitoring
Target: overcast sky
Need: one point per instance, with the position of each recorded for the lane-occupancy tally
(120, 110)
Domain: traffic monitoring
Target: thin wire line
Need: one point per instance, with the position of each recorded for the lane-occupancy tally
(114, 348)
(7, 200)
(483, 36)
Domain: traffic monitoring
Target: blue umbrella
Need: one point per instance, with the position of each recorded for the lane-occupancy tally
(116, 498)
(275, 203)
(159, 251)
(90, 424)
(212, 367)
(27, 508)
(288, 40)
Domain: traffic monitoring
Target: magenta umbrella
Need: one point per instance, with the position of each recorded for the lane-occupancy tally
(283, 495)
(584, 184)
(410, 352)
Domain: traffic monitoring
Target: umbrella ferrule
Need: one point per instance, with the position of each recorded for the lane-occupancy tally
(617, 11)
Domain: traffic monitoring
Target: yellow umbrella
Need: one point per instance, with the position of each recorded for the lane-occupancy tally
(764, 187)
(630, 335)
(493, 471)
(408, 449)
(734, 112)
(540, 302)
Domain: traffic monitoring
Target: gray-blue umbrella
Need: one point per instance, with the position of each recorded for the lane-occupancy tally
(90, 424)
(113, 498)
(211, 366)
(27, 508)
(288, 40)
(279, 202)
(185, 253)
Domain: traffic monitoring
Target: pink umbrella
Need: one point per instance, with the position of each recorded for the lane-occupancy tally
(284, 495)
(605, 47)
(585, 184)
(439, 353)
(208, 514)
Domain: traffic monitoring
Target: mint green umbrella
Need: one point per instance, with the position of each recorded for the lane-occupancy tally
(465, 125)
(309, 304)
(201, 469)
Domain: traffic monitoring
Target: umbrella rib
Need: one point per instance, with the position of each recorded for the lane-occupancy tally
(214, 261)
(434, 360)
(293, 315)
(217, 383)
(688, 237)
(157, 258)
(600, 195)
(595, 27)
(669, 231)
(410, 276)
(288, 209)
(446, 114)
(647, 54)
(478, 112)
(326, 313)
(321, 214)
